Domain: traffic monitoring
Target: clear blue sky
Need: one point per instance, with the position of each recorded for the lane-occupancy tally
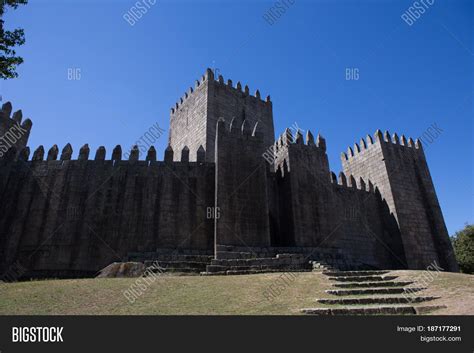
(410, 77)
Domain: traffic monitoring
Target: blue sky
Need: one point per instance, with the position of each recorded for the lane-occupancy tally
(410, 77)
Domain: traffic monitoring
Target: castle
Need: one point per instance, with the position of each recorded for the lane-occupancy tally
(225, 187)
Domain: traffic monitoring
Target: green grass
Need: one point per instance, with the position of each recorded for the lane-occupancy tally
(166, 295)
(196, 295)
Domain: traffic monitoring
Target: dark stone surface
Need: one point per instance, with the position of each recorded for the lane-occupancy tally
(122, 269)
(67, 218)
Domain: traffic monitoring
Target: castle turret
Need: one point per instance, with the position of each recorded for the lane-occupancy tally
(399, 170)
(194, 118)
(303, 175)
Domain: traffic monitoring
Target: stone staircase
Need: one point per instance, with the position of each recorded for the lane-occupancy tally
(371, 293)
(230, 261)
(172, 262)
(233, 261)
(321, 258)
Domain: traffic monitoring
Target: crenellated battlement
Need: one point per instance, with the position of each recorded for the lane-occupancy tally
(245, 92)
(302, 153)
(373, 157)
(209, 77)
(379, 138)
(352, 183)
(7, 119)
(198, 83)
(100, 155)
(287, 139)
(14, 132)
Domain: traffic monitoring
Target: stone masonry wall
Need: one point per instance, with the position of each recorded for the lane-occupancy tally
(73, 217)
(241, 189)
(235, 103)
(193, 119)
(398, 168)
(223, 178)
(315, 210)
(188, 120)
(302, 167)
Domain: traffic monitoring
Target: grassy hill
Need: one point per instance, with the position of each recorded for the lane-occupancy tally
(170, 294)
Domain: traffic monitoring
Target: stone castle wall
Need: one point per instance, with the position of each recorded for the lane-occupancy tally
(398, 168)
(313, 209)
(223, 181)
(73, 217)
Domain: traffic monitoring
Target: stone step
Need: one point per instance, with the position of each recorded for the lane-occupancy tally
(277, 267)
(320, 266)
(362, 278)
(318, 270)
(369, 291)
(272, 261)
(235, 255)
(176, 264)
(217, 273)
(170, 257)
(371, 284)
(248, 271)
(188, 270)
(216, 268)
(380, 310)
(301, 257)
(224, 247)
(354, 273)
(376, 300)
(251, 272)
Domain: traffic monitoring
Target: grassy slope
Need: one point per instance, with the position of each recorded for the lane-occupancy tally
(202, 295)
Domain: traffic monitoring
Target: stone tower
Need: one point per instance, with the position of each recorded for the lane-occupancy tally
(398, 168)
(241, 185)
(193, 119)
